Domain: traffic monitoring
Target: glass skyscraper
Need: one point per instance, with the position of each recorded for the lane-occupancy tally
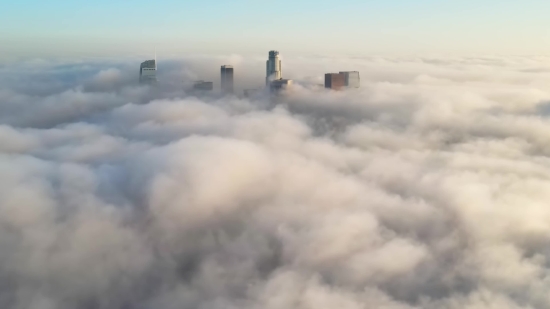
(148, 71)
(227, 78)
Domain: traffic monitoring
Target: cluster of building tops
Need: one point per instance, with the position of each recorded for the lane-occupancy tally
(227, 84)
(274, 77)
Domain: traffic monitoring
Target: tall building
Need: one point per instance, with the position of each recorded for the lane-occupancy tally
(227, 78)
(280, 84)
(273, 67)
(335, 81)
(148, 71)
(203, 86)
(352, 79)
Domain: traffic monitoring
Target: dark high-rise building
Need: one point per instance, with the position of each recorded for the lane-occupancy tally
(227, 78)
(148, 71)
(203, 86)
(335, 81)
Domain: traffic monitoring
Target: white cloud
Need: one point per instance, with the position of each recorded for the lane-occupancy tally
(426, 188)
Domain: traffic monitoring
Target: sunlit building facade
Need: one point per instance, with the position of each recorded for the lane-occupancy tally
(335, 81)
(351, 79)
(273, 67)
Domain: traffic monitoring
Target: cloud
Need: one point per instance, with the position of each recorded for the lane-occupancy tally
(426, 188)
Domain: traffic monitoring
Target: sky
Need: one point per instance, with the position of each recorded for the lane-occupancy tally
(34, 28)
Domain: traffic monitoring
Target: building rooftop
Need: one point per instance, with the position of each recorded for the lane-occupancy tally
(149, 64)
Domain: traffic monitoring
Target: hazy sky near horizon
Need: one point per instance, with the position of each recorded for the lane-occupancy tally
(114, 27)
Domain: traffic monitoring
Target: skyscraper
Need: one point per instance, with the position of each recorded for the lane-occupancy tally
(148, 71)
(273, 67)
(335, 81)
(227, 78)
(352, 79)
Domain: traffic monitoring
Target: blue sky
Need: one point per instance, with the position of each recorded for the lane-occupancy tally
(101, 27)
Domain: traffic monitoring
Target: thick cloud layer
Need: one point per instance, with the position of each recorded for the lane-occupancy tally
(429, 187)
